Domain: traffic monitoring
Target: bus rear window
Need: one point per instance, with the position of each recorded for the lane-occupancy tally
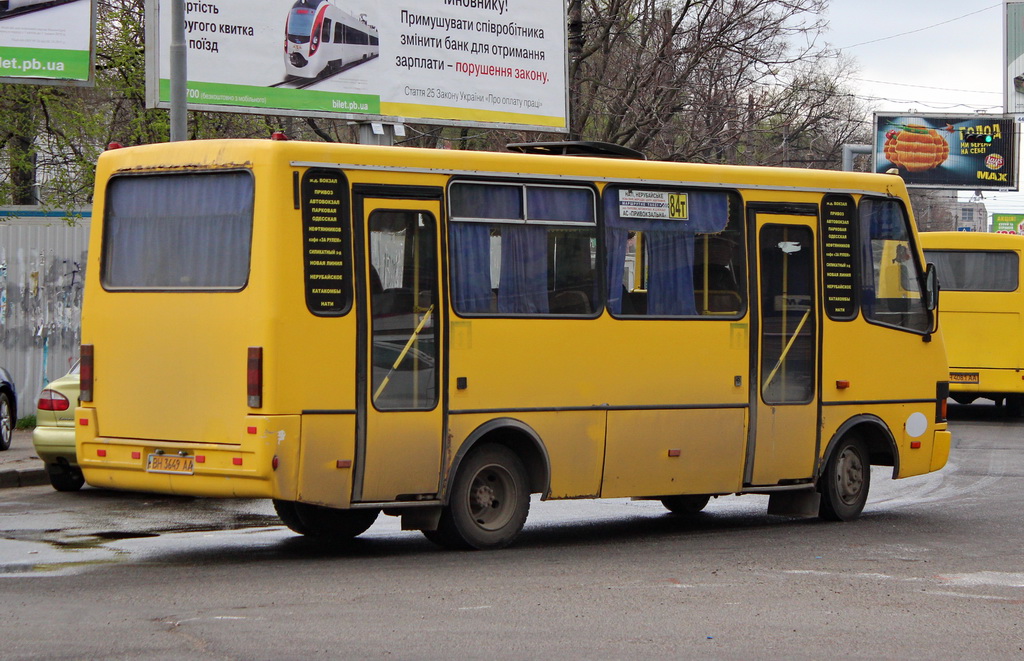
(178, 231)
(975, 270)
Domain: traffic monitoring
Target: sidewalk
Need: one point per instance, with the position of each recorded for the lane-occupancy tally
(19, 466)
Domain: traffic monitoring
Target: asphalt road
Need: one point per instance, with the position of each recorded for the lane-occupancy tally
(934, 569)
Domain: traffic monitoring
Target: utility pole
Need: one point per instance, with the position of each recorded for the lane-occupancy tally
(575, 52)
(179, 73)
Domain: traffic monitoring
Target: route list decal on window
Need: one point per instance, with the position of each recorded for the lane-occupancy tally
(838, 250)
(325, 229)
(653, 205)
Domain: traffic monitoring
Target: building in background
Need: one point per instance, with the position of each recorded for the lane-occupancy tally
(941, 211)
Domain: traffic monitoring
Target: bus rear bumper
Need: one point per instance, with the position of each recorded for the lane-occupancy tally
(988, 383)
(940, 449)
(261, 465)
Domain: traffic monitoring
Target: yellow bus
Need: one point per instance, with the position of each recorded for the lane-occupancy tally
(437, 335)
(982, 314)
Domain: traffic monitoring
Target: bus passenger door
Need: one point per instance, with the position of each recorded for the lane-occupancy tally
(400, 423)
(783, 440)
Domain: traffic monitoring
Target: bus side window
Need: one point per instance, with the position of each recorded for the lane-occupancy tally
(676, 253)
(523, 249)
(891, 290)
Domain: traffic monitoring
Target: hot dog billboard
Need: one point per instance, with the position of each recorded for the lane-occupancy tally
(972, 152)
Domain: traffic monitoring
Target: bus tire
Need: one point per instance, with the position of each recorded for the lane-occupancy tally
(65, 478)
(489, 502)
(845, 481)
(326, 523)
(289, 516)
(1014, 406)
(685, 504)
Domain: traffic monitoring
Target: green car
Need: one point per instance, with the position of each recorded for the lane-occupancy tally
(54, 435)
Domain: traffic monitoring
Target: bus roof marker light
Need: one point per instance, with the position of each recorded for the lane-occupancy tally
(842, 384)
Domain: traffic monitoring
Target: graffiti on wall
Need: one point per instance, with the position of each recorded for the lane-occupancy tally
(42, 270)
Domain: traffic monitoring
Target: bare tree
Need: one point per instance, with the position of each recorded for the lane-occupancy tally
(714, 80)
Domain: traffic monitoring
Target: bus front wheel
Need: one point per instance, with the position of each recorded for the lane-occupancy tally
(325, 523)
(845, 482)
(489, 502)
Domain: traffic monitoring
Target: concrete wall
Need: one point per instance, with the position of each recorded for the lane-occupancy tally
(42, 269)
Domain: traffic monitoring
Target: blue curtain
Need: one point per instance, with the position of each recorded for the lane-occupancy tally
(523, 288)
(561, 204)
(179, 231)
(670, 246)
(487, 201)
(471, 267)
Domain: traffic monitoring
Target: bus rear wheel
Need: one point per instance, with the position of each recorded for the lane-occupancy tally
(489, 503)
(325, 523)
(846, 480)
(64, 477)
(685, 504)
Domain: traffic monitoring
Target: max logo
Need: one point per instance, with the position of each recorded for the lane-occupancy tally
(994, 176)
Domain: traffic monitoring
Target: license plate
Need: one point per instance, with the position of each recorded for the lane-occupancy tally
(169, 463)
(963, 377)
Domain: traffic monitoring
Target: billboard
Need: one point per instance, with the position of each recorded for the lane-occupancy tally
(498, 63)
(47, 41)
(969, 152)
(1008, 223)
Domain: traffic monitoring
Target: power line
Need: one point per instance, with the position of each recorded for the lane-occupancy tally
(925, 87)
(927, 27)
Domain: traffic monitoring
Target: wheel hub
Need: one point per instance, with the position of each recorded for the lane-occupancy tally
(850, 476)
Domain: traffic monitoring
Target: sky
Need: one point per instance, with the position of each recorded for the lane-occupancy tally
(928, 56)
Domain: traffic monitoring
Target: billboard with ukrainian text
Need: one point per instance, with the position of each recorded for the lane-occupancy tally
(1008, 223)
(47, 41)
(499, 63)
(967, 152)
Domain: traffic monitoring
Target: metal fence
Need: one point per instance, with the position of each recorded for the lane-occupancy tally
(42, 269)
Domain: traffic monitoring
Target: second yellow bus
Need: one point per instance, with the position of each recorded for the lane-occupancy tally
(982, 314)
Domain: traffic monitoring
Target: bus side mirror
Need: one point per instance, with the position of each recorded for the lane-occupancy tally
(931, 288)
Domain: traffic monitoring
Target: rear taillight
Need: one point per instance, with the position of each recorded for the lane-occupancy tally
(85, 373)
(51, 400)
(254, 377)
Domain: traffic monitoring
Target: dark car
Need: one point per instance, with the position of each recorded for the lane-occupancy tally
(8, 408)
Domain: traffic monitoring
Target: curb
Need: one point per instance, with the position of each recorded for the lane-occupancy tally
(23, 477)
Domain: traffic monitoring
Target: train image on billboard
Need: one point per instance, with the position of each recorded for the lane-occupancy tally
(321, 38)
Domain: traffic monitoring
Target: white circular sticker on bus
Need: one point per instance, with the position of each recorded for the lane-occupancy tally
(917, 424)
